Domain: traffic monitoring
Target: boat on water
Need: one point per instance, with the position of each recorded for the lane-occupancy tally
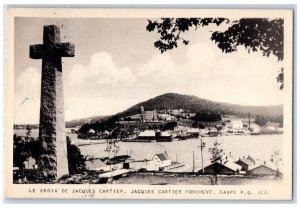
(181, 136)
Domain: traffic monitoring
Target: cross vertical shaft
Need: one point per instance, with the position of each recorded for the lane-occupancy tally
(53, 160)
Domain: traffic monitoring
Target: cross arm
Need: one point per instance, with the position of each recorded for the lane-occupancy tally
(40, 51)
(65, 49)
(36, 51)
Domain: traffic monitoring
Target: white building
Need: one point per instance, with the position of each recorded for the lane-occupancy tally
(162, 160)
(158, 162)
(91, 131)
(30, 163)
(236, 124)
(97, 164)
(148, 165)
(166, 117)
(255, 128)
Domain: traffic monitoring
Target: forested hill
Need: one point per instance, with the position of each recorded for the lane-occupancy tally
(196, 104)
(187, 102)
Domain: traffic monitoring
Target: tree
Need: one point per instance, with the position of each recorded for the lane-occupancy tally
(119, 133)
(76, 161)
(256, 34)
(280, 78)
(170, 30)
(217, 156)
(112, 147)
(208, 116)
(276, 159)
(261, 120)
(20, 153)
(23, 148)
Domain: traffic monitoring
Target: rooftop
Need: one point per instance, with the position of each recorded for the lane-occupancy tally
(247, 161)
(163, 156)
(94, 163)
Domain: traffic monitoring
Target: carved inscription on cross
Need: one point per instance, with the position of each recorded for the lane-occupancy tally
(52, 161)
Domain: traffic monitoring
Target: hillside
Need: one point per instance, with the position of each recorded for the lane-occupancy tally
(192, 103)
(196, 104)
(80, 122)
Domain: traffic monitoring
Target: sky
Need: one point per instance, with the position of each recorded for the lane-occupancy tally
(116, 66)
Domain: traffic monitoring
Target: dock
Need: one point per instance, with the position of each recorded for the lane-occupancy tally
(89, 142)
(114, 173)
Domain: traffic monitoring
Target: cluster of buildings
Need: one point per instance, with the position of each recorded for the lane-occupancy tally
(158, 163)
(120, 165)
(244, 166)
(238, 126)
(153, 125)
(156, 117)
(163, 115)
(162, 162)
(177, 124)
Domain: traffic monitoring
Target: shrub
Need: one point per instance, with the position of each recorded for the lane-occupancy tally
(25, 147)
(76, 161)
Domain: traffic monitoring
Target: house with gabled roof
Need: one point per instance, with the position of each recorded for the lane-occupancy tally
(246, 163)
(162, 160)
(264, 170)
(228, 168)
(158, 162)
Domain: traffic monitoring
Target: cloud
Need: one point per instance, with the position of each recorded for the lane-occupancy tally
(92, 89)
(240, 77)
(157, 74)
(101, 69)
(102, 87)
(159, 64)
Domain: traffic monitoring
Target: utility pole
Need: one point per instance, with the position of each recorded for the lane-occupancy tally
(249, 120)
(202, 145)
(193, 161)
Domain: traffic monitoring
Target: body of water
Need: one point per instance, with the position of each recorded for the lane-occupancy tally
(259, 147)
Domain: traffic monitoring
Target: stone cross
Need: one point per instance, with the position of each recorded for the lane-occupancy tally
(53, 160)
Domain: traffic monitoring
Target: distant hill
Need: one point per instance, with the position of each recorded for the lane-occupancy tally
(80, 122)
(69, 124)
(192, 103)
(196, 104)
